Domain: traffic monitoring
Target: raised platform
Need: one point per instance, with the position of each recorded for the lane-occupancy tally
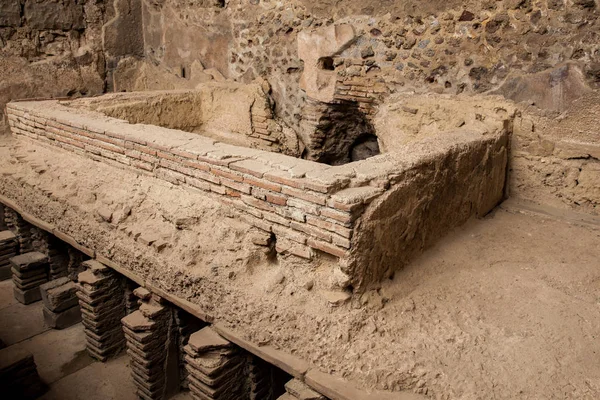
(373, 215)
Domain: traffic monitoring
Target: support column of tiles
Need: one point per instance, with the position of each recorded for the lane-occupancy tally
(152, 347)
(101, 299)
(185, 324)
(61, 306)
(216, 367)
(131, 300)
(298, 390)
(260, 379)
(19, 377)
(30, 270)
(20, 227)
(8, 249)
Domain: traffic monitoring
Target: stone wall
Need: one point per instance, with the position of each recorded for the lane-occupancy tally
(334, 63)
(63, 48)
(50, 48)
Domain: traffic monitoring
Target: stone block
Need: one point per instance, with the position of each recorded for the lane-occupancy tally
(19, 378)
(10, 13)
(5, 272)
(54, 14)
(27, 296)
(59, 294)
(29, 261)
(62, 319)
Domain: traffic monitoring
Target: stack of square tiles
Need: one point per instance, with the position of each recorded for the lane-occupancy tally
(19, 378)
(8, 249)
(61, 306)
(30, 270)
(260, 379)
(19, 227)
(58, 256)
(216, 367)
(131, 300)
(185, 324)
(101, 299)
(149, 332)
(298, 390)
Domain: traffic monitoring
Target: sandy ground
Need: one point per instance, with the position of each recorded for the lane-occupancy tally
(61, 358)
(503, 308)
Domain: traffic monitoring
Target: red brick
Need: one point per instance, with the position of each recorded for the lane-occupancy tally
(232, 193)
(341, 241)
(326, 247)
(144, 149)
(239, 186)
(218, 189)
(142, 165)
(251, 167)
(184, 154)
(308, 196)
(207, 176)
(148, 158)
(257, 222)
(269, 216)
(227, 174)
(283, 178)
(197, 165)
(311, 230)
(276, 199)
(133, 154)
(261, 183)
(168, 156)
(197, 183)
(262, 205)
(343, 217)
(240, 205)
(289, 234)
(329, 225)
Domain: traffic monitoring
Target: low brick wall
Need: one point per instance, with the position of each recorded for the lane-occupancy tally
(305, 202)
(307, 205)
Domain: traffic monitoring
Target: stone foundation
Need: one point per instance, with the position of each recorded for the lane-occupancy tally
(101, 299)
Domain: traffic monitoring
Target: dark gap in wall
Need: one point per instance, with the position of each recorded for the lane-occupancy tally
(341, 131)
(365, 146)
(326, 63)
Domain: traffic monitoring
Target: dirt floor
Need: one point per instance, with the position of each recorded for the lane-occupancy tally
(60, 355)
(506, 307)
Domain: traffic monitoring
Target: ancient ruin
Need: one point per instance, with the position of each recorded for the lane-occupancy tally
(279, 200)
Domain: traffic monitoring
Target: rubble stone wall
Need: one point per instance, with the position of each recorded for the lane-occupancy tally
(544, 54)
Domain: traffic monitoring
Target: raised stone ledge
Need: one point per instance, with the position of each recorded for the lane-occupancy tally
(315, 206)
